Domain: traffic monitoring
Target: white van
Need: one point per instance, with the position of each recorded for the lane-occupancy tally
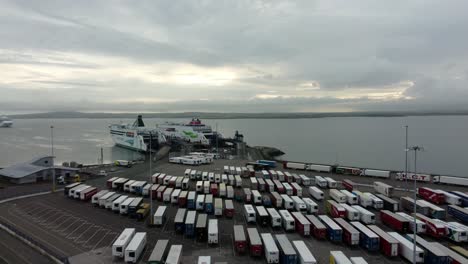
(122, 241)
(213, 231)
(135, 247)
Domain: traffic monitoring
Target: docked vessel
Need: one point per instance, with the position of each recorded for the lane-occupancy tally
(193, 132)
(136, 136)
(5, 121)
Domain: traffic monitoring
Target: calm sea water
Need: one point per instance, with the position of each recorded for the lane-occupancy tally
(370, 142)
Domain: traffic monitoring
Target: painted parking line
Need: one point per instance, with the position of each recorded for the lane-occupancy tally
(40, 215)
(50, 218)
(76, 232)
(84, 231)
(101, 236)
(88, 234)
(58, 220)
(72, 227)
(65, 224)
(106, 240)
(95, 236)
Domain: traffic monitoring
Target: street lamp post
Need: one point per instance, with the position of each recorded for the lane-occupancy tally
(52, 154)
(415, 149)
(406, 158)
(150, 171)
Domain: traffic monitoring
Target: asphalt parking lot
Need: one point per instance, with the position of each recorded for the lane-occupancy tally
(75, 228)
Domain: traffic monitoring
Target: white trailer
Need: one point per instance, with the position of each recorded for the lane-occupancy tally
(213, 231)
(253, 183)
(331, 183)
(450, 198)
(122, 241)
(175, 196)
(280, 176)
(135, 247)
(312, 206)
(351, 213)
(364, 215)
(232, 180)
(222, 190)
(204, 176)
(249, 213)
(364, 201)
(103, 198)
(319, 168)
(358, 260)
(350, 230)
(229, 192)
(321, 182)
(297, 188)
(299, 204)
(288, 189)
(375, 173)
(383, 188)
(257, 197)
(306, 181)
(316, 193)
(377, 203)
(217, 178)
(420, 225)
(128, 184)
(338, 257)
(296, 165)
(159, 216)
(204, 260)
(338, 196)
(351, 198)
(193, 174)
(303, 252)
(125, 204)
(199, 186)
(463, 181)
(175, 254)
(167, 195)
(287, 220)
(95, 198)
(287, 202)
(238, 181)
(271, 250)
(117, 202)
(226, 169)
(77, 190)
(218, 207)
(200, 205)
(211, 177)
(275, 218)
(405, 248)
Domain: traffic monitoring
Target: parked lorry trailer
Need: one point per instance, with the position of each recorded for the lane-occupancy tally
(351, 198)
(433, 227)
(213, 232)
(179, 220)
(334, 231)
(255, 242)
(348, 184)
(95, 198)
(189, 226)
(240, 241)
(383, 188)
(135, 247)
(201, 230)
(318, 229)
(463, 197)
(119, 245)
(395, 221)
(457, 232)
(319, 168)
(302, 225)
(450, 198)
(458, 212)
(263, 217)
(287, 220)
(432, 254)
(316, 193)
(303, 252)
(388, 203)
(376, 173)
(338, 196)
(365, 216)
(338, 257)
(405, 248)
(351, 213)
(312, 207)
(455, 258)
(159, 253)
(175, 255)
(407, 204)
(350, 234)
(274, 218)
(287, 253)
(431, 195)
(295, 165)
(334, 209)
(228, 208)
(434, 210)
(367, 239)
(462, 181)
(388, 244)
(420, 225)
(271, 250)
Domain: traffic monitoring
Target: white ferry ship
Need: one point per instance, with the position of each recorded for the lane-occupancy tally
(5, 121)
(136, 137)
(194, 132)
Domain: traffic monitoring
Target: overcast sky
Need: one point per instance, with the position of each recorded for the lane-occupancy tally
(233, 56)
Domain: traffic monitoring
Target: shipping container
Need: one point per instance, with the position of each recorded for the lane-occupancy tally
(302, 225)
(213, 231)
(160, 192)
(271, 250)
(430, 195)
(388, 244)
(312, 207)
(458, 212)
(338, 196)
(288, 203)
(388, 203)
(287, 220)
(240, 241)
(319, 230)
(395, 221)
(274, 217)
(334, 232)
(351, 213)
(319, 168)
(338, 257)
(179, 220)
(122, 242)
(201, 228)
(350, 234)
(287, 253)
(255, 242)
(348, 184)
(367, 239)
(159, 217)
(247, 195)
(228, 208)
(304, 254)
(433, 227)
(209, 206)
(316, 193)
(159, 253)
(420, 225)
(334, 209)
(175, 255)
(135, 247)
(364, 215)
(249, 213)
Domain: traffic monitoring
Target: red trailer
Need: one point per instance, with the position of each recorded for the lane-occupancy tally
(161, 178)
(110, 181)
(154, 189)
(350, 234)
(276, 200)
(172, 182)
(214, 189)
(247, 195)
(318, 228)
(433, 226)
(301, 223)
(297, 189)
(279, 186)
(388, 244)
(159, 192)
(182, 199)
(228, 208)
(288, 177)
(348, 185)
(240, 242)
(255, 242)
(394, 221)
(431, 196)
(334, 209)
(88, 193)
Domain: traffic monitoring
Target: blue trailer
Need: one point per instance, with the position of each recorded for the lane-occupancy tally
(463, 197)
(179, 222)
(287, 253)
(367, 239)
(209, 208)
(458, 212)
(432, 254)
(191, 199)
(334, 231)
(269, 163)
(190, 223)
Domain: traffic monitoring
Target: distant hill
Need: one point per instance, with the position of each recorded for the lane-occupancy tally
(208, 115)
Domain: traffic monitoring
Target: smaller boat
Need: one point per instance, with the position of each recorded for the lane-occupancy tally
(5, 121)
